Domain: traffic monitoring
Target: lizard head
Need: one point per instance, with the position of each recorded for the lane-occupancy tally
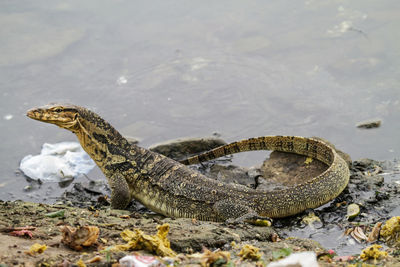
(63, 115)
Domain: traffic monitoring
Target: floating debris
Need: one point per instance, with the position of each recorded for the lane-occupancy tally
(8, 117)
(369, 124)
(77, 238)
(122, 80)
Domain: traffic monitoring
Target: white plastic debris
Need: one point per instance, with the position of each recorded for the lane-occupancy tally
(140, 261)
(57, 162)
(303, 259)
(8, 117)
(122, 80)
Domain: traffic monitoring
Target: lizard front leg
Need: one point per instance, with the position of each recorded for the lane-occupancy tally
(120, 194)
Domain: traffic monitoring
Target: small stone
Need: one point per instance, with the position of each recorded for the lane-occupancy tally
(122, 80)
(369, 124)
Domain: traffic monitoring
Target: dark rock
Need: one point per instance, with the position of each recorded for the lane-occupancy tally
(369, 124)
(181, 148)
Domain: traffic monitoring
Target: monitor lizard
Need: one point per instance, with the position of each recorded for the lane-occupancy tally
(173, 189)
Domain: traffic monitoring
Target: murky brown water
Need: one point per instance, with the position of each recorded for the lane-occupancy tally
(164, 70)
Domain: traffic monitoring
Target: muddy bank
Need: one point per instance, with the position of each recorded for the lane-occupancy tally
(336, 234)
(186, 236)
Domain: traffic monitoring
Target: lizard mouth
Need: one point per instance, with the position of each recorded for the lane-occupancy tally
(48, 116)
(34, 114)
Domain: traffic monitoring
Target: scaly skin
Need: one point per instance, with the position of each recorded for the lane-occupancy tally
(172, 189)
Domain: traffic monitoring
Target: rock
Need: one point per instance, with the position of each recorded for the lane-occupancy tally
(182, 148)
(232, 174)
(369, 124)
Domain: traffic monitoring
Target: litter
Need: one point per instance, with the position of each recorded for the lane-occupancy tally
(137, 240)
(303, 259)
(57, 162)
(140, 261)
(77, 238)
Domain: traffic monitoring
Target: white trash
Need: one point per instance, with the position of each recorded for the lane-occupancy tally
(303, 259)
(57, 162)
(140, 261)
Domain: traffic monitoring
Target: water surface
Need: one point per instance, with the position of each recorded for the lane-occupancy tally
(167, 69)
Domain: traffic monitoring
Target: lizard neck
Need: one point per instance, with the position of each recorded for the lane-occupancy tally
(105, 145)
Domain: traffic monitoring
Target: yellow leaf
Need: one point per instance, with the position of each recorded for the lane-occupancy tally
(249, 252)
(36, 249)
(80, 263)
(137, 240)
(373, 252)
(308, 160)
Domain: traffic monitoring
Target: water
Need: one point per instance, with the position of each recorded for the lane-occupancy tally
(169, 69)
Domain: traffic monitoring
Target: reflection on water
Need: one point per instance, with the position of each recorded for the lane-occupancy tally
(175, 69)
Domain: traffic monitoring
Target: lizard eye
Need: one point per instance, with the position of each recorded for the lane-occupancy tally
(58, 110)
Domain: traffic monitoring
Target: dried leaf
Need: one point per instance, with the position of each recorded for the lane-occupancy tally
(80, 263)
(308, 160)
(36, 249)
(95, 259)
(250, 252)
(373, 236)
(76, 238)
(212, 258)
(358, 234)
(59, 213)
(158, 243)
